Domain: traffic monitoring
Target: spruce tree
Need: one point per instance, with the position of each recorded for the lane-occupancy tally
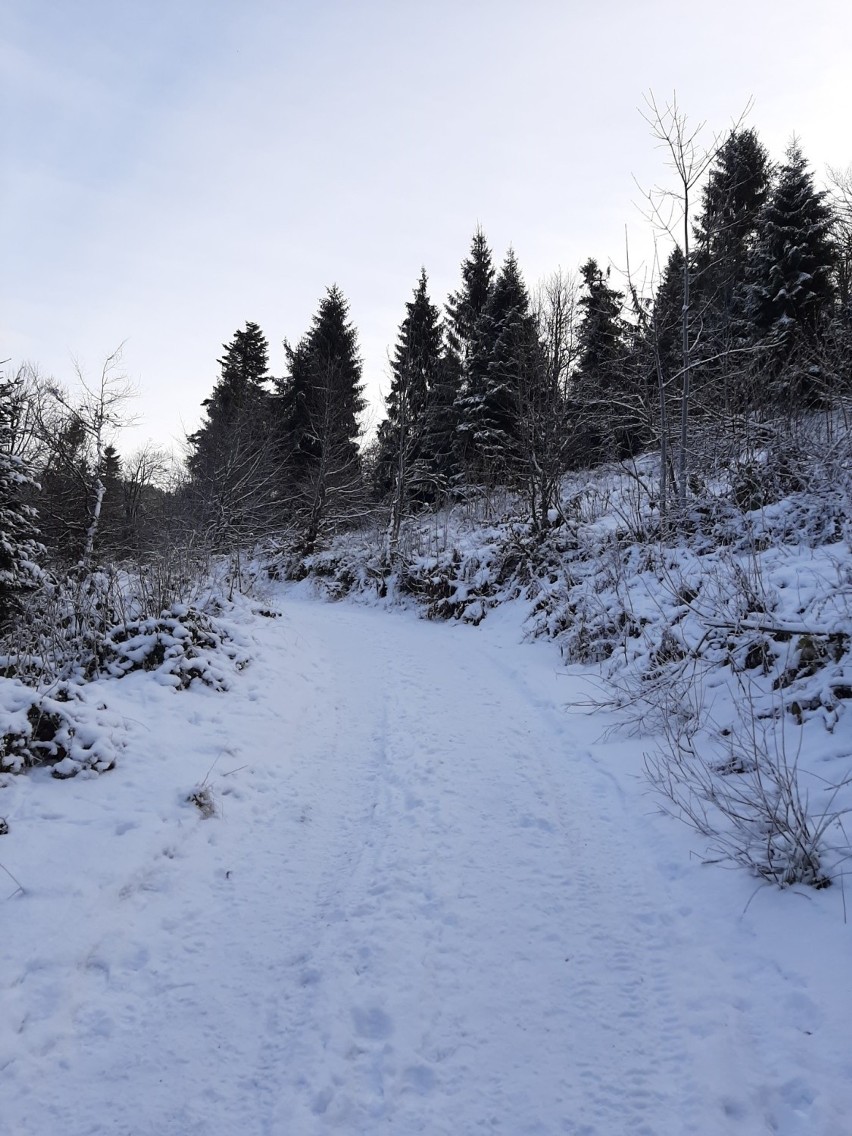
(440, 438)
(20, 550)
(789, 285)
(321, 401)
(465, 308)
(239, 394)
(501, 373)
(602, 398)
(411, 432)
(601, 335)
(113, 529)
(229, 459)
(731, 201)
(668, 311)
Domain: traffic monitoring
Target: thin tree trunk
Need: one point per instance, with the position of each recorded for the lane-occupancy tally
(685, 353)
(92, 531)
(664, 438)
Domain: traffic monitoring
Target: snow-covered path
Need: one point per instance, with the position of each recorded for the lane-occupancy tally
(426, 905)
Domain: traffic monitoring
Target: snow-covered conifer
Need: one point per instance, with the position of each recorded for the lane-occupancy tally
(789, 287)
(20, 550)
(321, 401)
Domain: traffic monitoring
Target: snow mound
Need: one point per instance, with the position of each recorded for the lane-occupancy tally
(63, 728)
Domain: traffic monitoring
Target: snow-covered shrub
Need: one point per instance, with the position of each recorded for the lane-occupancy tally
(730, 637)
(181, 646)
(64, 625)
(181, 575)
(454, 585)
(444, 580)
(67, 624)
(105, 621)
(742, 790)
(98, 624)
(60, 727)
(338, 572)
(202, 797)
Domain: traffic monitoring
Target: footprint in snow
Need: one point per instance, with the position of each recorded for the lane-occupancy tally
(372, 1023)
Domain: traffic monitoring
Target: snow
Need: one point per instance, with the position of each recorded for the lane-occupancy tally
(434, 897)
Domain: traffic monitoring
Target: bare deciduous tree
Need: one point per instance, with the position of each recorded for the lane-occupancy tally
(74, 430)
(840, 185)
(670, 210)
(555, 309)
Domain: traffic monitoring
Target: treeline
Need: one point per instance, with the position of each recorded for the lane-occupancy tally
(90, 501)
(748, 320)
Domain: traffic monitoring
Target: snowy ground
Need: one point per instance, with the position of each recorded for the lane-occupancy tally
(433, 900)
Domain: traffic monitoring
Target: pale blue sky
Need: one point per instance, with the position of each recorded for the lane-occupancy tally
(171, 170)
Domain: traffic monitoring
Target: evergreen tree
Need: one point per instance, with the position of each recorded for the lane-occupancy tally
(465, 308)
(113, 528)
(230, 455)
(20, 549)
(244, 367)
(410, 434)
(668, 310)
(602, 399)
(439, 445)
(320, 404)
(502, 372)
(601, 335)
(731, 201)
(658, 359)
(237, 399)
(789, 285)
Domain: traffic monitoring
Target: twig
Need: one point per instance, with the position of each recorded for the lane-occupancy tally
(15, 880)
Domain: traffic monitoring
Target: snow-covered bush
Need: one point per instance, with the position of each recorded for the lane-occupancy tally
(99, 625)
(108, 622)
(733, 642)
(743, 788)
(451, 564)
(61, 727)
(180, 646)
